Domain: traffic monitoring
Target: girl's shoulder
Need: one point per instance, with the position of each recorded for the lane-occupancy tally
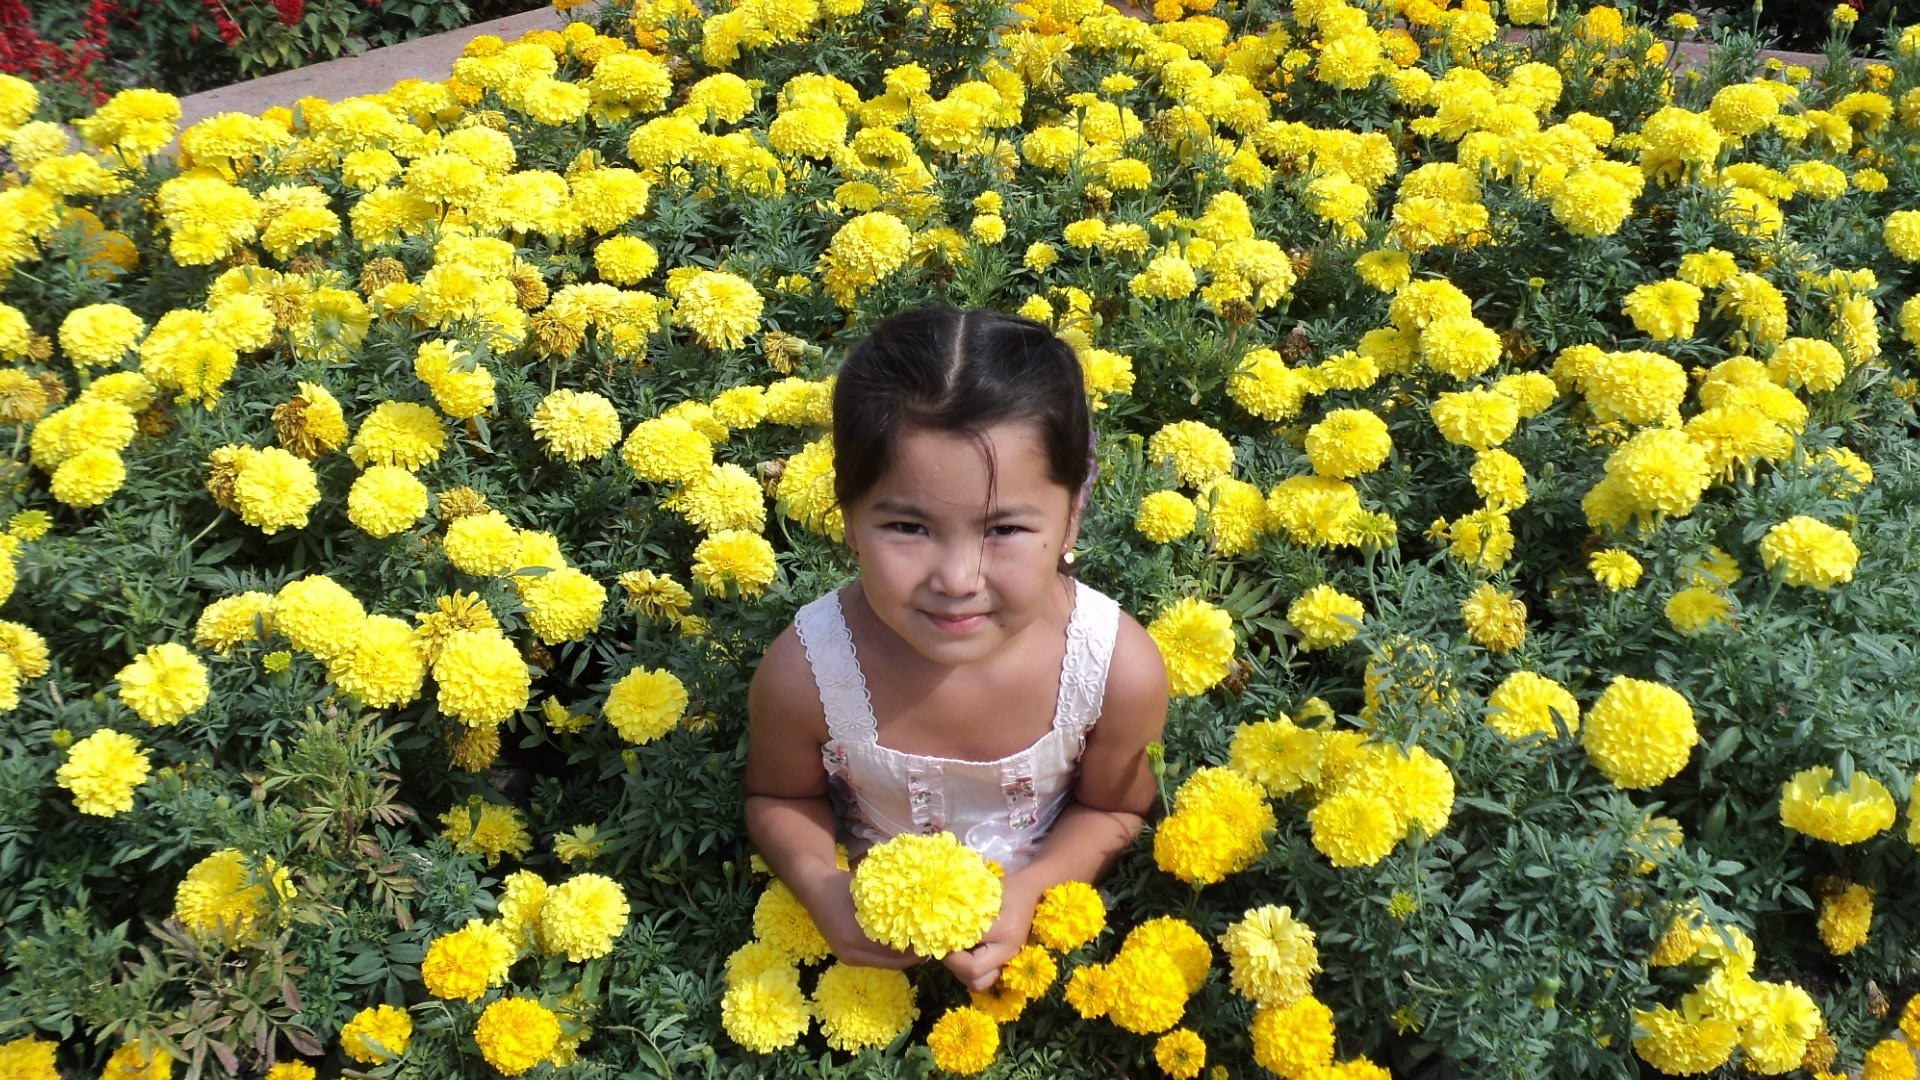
(1136, 675)
(783, 689)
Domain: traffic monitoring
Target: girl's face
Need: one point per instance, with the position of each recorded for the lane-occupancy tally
(960, 541)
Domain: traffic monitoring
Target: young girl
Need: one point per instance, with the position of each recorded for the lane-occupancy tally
(963, 682)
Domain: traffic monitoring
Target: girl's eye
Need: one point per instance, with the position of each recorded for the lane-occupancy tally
(908, 528)
(1004, 531)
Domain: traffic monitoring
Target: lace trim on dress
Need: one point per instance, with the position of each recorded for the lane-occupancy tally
(1083, 672)
(822, 629)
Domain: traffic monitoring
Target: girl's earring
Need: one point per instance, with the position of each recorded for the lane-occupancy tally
(1069, 557)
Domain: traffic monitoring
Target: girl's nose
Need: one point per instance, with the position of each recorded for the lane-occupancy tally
(958, 571)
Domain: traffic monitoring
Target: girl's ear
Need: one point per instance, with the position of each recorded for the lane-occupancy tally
(1073, 531)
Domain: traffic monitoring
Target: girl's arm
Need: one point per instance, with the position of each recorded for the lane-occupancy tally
(789, 817)
(1115, 793)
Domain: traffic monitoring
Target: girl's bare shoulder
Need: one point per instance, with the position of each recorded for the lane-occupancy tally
(782, 690)
(1136, 680)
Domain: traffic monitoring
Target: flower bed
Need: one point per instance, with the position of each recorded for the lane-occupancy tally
(1508, 441)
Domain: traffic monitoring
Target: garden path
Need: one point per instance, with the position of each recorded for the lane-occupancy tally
(432, 58)
(369, 73)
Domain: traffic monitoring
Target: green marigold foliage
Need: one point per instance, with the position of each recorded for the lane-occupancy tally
(1507, 437)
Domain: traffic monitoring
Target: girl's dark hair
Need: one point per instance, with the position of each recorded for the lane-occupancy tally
(959, 372)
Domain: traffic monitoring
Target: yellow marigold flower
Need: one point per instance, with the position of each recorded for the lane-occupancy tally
(1165, 516)
(274, 490)
(723, 497)
(235, 619)
(1179, 942)
(1148, 992)
(1348, 442)
(1293, 1040)
(766, 1012)
(132, 1062)
(1810, 804)
(863, 252)
(25, 647)
(1236, 515)
(1499, 478)
(625, 260)
(386, 499)
(667, 449)
(1888, 1059)
(721, 309)
(576, 426)
(290, 1070)
(563, 604)
(1809, 362)
(646, 704)
(1029, 972)
(1068, 916)
(582, 917)
(1526, 703)
(782, 921)
(99, 335)
(1846, 915)
(1197, 643)
(1902, 234)
(1273, 956)
(523, 894)
(31, 525)
(1496, 621)
(1480, 419)
(1266, 387)
(863, 1008)
(1326, 617)
(925, 894)
(1664, 310)
(481, 676)
(964, 1041)
(491, 829)
(1805, 551)
(1354, 829)
(1180, 1053)
(1277, 754)
(225, 895)
(733, 556)
(28, 1058)
(1167, 277)
(1614, 569)
(484, 544)
(312, 422)
(1459, 345)
(1698, 607)
(1639, 733)
(463, 964)
(164, 685)
(89, 477)
(383, 667)
(1675, 1044)
(1780, 1021)
(102, 770)
(515, 1034)
(1199, 452)
(399, 433)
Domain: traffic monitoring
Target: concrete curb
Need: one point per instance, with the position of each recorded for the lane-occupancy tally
(371, 72)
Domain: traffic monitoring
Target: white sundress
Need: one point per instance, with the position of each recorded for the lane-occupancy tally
(1000, 809)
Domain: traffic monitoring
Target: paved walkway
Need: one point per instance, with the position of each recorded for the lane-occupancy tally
(432, 58)
(371, 72)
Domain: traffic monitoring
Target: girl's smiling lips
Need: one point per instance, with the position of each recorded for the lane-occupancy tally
(955, 624)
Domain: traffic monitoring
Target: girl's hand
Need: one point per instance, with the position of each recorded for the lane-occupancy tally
(849, 943)
(979, 967)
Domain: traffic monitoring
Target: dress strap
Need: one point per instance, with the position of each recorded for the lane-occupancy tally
(822, 629)
(1091, 632)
